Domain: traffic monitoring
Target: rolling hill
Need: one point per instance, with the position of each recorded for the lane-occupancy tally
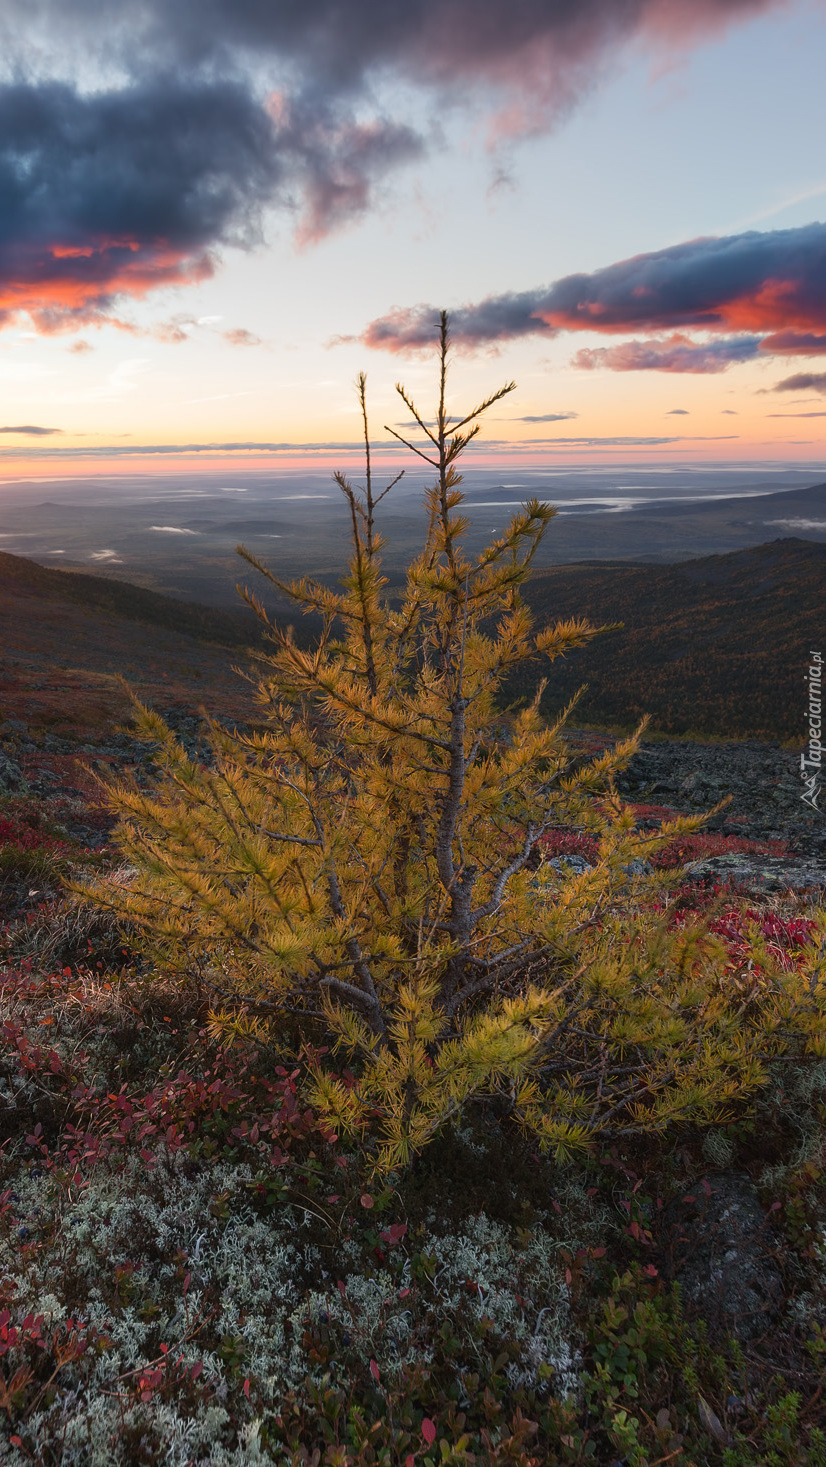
(716, 645)
(67, 639)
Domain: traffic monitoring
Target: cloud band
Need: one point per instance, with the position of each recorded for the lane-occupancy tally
(747, 294)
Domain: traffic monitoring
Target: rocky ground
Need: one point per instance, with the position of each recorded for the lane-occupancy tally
(760, 782)
(763, 787)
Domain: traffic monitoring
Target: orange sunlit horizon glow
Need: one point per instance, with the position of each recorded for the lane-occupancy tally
(211, 462)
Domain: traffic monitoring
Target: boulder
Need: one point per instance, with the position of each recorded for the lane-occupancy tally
(12, 779)
(763, 873)
(717, 1243)
(572, 865)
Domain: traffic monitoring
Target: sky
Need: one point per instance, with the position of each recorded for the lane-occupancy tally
(214, 213)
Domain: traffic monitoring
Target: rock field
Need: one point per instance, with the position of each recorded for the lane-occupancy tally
(764, 785)
(760, 780)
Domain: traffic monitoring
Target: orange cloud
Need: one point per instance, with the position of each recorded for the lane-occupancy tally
(61, 288)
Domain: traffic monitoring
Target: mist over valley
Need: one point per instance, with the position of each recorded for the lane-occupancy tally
(177, 533)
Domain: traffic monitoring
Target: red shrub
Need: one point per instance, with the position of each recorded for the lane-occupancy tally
(704, 844)
(27, 834)
(569, 843)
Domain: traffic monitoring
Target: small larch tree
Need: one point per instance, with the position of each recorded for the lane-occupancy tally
(370, 858)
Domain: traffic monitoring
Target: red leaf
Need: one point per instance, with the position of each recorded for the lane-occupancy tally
(374, 1371)
(247, 1388)
(366, 1200)
(428, 1430)
(394, 1234)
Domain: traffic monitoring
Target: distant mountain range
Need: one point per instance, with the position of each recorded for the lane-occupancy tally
(716, 645)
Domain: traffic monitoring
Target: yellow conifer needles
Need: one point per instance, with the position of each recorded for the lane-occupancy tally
(365, 859)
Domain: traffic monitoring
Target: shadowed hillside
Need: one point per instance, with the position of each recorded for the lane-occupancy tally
(717, 645)
(66, 640)
(26, 579)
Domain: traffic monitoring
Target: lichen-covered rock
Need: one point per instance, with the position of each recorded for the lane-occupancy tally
(717, 1243)
(572, 865)
(761, 779)
(12, 779)
(763, 873)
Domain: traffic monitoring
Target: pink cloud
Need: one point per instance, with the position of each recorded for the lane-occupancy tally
(677, 353)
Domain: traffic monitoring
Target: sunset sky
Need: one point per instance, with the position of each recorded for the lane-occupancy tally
(213, 213)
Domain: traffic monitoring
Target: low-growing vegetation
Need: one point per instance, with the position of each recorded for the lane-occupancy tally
(193, 1269)
(376, 1112)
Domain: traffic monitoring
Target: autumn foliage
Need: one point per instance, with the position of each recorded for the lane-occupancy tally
(370, 859)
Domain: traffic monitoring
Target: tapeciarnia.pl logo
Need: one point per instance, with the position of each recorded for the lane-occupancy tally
(812, 757)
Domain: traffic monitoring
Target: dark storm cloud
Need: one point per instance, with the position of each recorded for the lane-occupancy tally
(796, 344)
(743, 282)
(499, 318)
(773, 284)
(123, 191)
(531, 57)
(116, 193)
(343, 37)
(676, 353)
(335, 160)
(225, 107)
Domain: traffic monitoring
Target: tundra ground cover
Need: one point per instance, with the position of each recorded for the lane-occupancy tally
(192, 1270)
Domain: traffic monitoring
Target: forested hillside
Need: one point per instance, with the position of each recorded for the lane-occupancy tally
(710, 646)
(713, 646)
